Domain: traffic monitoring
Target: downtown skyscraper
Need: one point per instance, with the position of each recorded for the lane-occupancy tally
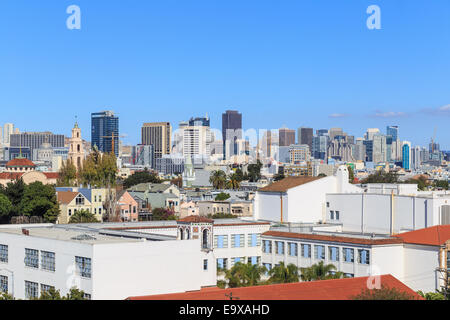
(105, 132)
(231, 132)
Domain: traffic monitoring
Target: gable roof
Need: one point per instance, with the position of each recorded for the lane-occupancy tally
(333, 238)
(337, 289)
(432, 236)
(66, 197)
(288, 183)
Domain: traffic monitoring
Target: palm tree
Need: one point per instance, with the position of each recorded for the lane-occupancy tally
(234, 181)
(284, 274)
(320, 271)
(244, 275)
(218, 179)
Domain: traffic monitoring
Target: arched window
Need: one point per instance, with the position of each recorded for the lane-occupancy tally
(205, 244)
(181, 234)
(78, 148)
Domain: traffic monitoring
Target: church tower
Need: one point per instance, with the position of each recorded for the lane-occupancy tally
(76, 150)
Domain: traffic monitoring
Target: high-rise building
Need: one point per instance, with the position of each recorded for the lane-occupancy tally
(305, 136)
(379, 148)
(371, 132)
(8, 130)
(333, 132)
(34, 140)
(194, 139)
(231, 132)
(392, 131)
(299, 153)
(286, 136)
(105, 132)
(158, 134)
(406, 153)
(320, 146)
(143, 155)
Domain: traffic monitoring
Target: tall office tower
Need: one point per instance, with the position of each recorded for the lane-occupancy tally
(392, 131)
(105, 132)
(333, 132)
(371, 132)
(368, 146)
(340, 149)
(359, 150)
(286, 136)
(305, 136)
(158, 134)
(299, 153)
(396, 150)
(231, 132)
(194, 139)
(269, 144)
(416, 158)
(322, 132)
(406, 155)
(143, 155)
(34, 140)
(76, 150)
(8, 130)
(379, 148)
(320, 146)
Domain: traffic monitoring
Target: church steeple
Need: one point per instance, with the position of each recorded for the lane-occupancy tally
(76, 150)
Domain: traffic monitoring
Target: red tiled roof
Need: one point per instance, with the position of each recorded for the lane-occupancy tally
(432, 236)
(10, 175)
(333, 238)
(51, 175)
(20, 162)
(196, 219)
(339, 289)
(288, 183)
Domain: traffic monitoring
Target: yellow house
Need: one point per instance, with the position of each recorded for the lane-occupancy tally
(69, 203)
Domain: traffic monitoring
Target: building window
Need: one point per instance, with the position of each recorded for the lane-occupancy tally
(333, 253)
(328, 204)
(31, 290)
(45, 288)
(70, 212)
(3, 253)
(222, 263)
(337, 215)
(254, 240)
(349, 255)
(254, 260)
(363, 256)
(349, 275)
(236, 260)
(237, 241)
(83, 266)
(331, 214)
(32, 258)
(48, 260)
(306, 250)
(87, 296)
(319, 252)
(4, 284)
(79, 201)
(293, 249)
(267, 246)
(221, 241)
(279, 247)
(205, 264)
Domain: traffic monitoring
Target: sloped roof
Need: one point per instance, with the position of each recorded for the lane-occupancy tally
(432, 236)
(288, 183)
(20, 162)
(338, 289)
(11, 175)
(66, 197)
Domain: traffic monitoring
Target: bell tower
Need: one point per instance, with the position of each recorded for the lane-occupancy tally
(76, 150)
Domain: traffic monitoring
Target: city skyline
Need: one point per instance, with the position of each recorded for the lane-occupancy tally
(312, 64)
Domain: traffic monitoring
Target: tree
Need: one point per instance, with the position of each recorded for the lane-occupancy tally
(99, 170)
(432, 295)
(441, 184)
(222, 196)
(221, 215)
(384, 293)
(75, 294)
(279, 176)
(234, 182)
(161, 214)
(421, 181)
(50, 294)
(141, 177)
(67, 175)
(322, 175)
(381, 177)
(5, 205)
(83, 216)
(40, 200)
(53, 294)
(284, 274)
(254, 171)
(14, 191)
(239, 174)
(351, 174)
(5, 296)
(244, 275)
(320, 271)
(218, 179)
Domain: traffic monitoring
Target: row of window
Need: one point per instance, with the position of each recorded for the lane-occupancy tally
(237, 241)
(76, 210)
(334, 215)
(32, 290)
(222, 263)
(319, 251)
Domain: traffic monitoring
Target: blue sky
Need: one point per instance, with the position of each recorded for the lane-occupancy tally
(281, 63)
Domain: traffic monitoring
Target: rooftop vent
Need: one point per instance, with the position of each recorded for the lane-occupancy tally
(83, 236)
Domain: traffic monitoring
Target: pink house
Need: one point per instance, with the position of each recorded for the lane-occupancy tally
(128, 207)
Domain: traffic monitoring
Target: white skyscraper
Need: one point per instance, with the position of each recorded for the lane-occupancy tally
(8, 130)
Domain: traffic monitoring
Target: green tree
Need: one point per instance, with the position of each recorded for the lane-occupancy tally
(320, 271)
(222, 196)
(14, 191)
(239, 174)
(254, 171)
(322, 175)
(141, 177)
(40, 200)
(421, 181)
(67, 176)
(5, 205)
(381, 177)
(222, 215)
(234, 181)
(75, 294)
(218, 179)
(5, 296)
(278, 177)
(244, 275)
(99, 170)
(161, 214)
(432, 295)
(384, 293)
(441, 184)
(83, 216)
(351, 174)
(282, 273)
(51, 294)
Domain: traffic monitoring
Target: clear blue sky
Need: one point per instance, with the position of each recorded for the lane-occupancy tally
(289, 62)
